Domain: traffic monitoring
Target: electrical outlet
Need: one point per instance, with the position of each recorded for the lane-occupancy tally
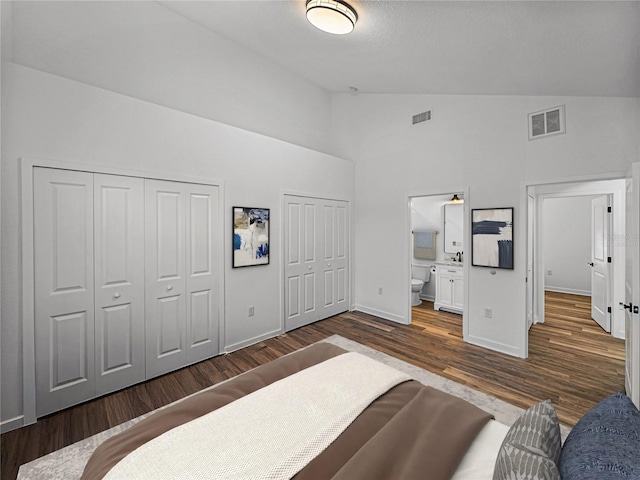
(488, 313)
(549, 272)
(379, 290)
(252, 310)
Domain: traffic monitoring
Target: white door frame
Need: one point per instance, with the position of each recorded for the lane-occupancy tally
(566, 187)
(350, 263)
(26, 166)
(466, 232)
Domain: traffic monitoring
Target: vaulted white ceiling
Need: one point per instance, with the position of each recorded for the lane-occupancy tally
(473, 47)
(587, 48)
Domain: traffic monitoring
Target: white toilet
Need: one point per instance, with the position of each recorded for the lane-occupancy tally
(420, 274)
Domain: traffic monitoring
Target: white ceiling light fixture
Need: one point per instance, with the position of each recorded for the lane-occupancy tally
(332, 16)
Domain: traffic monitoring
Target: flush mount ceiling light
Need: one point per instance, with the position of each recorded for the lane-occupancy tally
(332, 16)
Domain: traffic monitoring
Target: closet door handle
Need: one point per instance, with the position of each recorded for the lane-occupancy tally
(590, 263)
(116, 295)
(170, 287)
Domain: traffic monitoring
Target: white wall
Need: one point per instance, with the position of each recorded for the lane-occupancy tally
(479, 142)
(147, 51)
(49, 117)
(566, 231)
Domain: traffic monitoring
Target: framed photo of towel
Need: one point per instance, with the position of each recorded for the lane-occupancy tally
(492, 237)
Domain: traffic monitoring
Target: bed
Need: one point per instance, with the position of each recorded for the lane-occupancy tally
(261, 425)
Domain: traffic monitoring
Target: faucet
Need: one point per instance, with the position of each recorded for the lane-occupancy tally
(459, 256)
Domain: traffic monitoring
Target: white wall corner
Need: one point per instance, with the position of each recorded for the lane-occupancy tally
(497, 346)
(11, 424)
(252, 341)
(382, 314)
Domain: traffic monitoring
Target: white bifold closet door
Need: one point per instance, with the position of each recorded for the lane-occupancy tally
(316, 259)
(64, 283)
(126, 281)
(89, 284)
(119, 281)
(181, 274)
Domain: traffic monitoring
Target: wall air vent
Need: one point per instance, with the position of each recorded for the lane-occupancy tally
(546, 122)
(421, 117)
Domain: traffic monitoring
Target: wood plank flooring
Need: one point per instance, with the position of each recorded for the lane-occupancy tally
(571, 361)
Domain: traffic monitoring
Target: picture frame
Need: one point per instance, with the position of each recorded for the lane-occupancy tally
(251, 236)
(492, 237)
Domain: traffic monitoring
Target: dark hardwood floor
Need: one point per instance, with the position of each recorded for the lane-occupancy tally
(571, 361)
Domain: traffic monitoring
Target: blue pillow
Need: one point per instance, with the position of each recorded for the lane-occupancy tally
(605, 443)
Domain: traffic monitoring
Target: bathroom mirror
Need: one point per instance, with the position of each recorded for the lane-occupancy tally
(453, 221)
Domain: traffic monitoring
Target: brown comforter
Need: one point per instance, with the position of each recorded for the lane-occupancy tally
(411, 432)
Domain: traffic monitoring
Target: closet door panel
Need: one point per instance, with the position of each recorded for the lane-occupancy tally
(328, 243)
(202, 268)
(119, 281)
(302, 258)
(341, 260)
(335, 229)
(165, 276)
(64, 303)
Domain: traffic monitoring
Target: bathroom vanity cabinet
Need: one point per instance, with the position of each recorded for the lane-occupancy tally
(449, 288)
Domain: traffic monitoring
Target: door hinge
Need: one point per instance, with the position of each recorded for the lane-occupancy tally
(608, 209)
(608, 309)
(609, 259)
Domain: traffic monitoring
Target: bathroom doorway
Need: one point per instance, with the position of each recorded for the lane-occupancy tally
(436, 254)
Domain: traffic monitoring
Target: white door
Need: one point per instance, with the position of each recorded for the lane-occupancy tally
(599, 262)
(165, 281)
(316, 259)
(202, 271)
(301, 262)
(530, 236)
(335, 279)
(181, 261)
(64, 303)
(119, 281)
(632, 286)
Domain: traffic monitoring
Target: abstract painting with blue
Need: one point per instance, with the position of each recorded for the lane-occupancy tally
(250, 236)
(492, 237)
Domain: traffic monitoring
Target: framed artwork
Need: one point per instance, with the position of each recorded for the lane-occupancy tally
(250, 236)
(492, 237)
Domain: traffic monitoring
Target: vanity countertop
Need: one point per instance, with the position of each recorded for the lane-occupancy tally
(450, 264)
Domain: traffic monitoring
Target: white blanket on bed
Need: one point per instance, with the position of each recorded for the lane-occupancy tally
(269, 434)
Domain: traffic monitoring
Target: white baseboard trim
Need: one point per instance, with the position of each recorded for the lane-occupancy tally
(11, 424)
(572, 291)
(379, 313)
(428, 297)
(490, 344)
(245, 343)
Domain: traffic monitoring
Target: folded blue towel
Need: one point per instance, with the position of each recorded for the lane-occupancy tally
(424, 239)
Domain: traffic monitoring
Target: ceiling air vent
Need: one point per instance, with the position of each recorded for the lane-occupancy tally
(546, 122)
(421, 117)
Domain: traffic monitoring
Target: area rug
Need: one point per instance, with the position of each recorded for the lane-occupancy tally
(68, 463)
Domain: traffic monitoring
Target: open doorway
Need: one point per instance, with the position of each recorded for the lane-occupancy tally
(436, 254)
(571, 260)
